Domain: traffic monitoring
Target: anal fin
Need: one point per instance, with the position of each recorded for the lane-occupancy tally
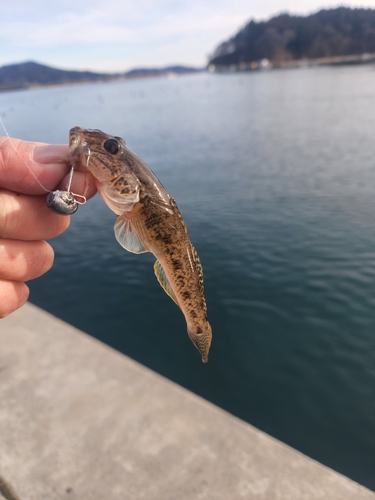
(163, 280)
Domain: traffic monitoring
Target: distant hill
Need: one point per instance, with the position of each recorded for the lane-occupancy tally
(327, 33)
(30, 74)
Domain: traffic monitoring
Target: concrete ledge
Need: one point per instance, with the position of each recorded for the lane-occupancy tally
(79, 420)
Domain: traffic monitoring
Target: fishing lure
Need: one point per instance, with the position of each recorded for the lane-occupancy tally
(65, 202)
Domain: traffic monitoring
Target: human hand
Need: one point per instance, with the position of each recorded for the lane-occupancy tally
(25, 220)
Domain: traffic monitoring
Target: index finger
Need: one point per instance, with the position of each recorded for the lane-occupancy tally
(23, 165)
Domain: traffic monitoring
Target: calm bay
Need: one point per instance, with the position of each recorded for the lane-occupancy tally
(274, 173)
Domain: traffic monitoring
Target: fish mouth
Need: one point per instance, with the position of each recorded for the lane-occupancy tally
(202, 341)
(79, 152)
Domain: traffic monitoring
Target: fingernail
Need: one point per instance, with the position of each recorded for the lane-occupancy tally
(51, 153)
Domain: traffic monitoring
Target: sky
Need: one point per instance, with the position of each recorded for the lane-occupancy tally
(118, 35)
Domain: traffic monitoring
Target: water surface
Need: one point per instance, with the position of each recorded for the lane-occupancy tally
(274, 175)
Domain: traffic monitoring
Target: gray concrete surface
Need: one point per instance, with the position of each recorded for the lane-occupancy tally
(79, 420)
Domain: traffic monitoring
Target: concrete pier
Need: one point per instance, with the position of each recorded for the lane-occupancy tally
(79, 420)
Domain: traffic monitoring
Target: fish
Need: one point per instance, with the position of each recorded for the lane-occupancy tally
(148, 220)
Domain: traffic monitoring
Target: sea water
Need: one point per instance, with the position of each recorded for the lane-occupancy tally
(274, 173)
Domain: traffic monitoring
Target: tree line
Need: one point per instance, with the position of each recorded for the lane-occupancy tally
(327, 33)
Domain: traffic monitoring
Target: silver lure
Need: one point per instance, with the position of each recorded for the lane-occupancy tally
(62, 202)
(65, 202)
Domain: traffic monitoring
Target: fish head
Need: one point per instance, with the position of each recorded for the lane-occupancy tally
(119, 173)
(95, 151)
(111, 163)
(202, 340)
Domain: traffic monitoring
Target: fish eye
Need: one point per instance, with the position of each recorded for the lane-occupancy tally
(112, 146)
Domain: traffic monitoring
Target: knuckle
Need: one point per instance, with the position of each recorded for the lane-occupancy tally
(40, 260)
(48, 256)
(8, 209)
(24, 260)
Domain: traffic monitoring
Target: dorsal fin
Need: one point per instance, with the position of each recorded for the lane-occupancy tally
(128, 236)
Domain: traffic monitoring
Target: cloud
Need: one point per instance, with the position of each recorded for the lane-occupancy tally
(96, 34)
(100, 25)
(68, 29)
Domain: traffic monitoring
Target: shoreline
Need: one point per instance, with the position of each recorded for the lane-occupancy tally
(109, 79)
(262, 65)
(265, 64)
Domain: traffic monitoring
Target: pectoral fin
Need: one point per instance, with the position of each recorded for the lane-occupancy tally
(163, 280)
(127, 236)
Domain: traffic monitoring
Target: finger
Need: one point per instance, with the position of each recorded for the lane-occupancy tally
(28, 218)
(13, 295)
(31, 167)
(82, 184)
(24, 260)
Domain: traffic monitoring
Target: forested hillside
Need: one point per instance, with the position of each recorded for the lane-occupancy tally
(327, 33)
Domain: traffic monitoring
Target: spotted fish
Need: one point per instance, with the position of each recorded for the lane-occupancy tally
(148, 221)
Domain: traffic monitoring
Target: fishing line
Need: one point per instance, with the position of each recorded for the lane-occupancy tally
(23, 161)
(62, 198)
